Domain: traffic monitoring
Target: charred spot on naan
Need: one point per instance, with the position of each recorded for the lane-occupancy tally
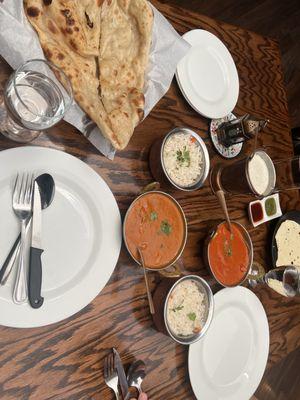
(138, 101)
(68, 16)
(73, 44)
(48, 53)
(33, 12)
(137, 97)
(89, 23)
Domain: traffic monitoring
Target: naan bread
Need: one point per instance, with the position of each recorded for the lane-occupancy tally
(288, 244)
(103, 48)
(124, 49)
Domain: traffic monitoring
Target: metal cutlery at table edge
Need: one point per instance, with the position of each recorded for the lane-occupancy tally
(125, 382)
(110, 373)
(35, 262)
(43, 188)
(22, 206)
(121, 373)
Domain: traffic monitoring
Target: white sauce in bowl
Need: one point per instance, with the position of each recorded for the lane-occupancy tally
(259, 174)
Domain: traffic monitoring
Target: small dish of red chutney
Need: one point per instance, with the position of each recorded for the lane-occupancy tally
(256, 212)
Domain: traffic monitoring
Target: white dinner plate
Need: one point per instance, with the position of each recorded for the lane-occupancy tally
(229, 361)
(81, 235)
(207, 75)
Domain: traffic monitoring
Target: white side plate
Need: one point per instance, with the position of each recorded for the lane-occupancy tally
(207, 75)
(229, 362)
(81, 235)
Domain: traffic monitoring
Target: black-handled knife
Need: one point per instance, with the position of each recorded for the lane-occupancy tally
(35, 264)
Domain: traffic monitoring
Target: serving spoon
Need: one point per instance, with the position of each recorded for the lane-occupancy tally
(150, 300)
(221, 197)
(47, 190)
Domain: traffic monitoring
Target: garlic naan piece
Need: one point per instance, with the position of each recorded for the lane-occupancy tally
(103, 48)
(126, 27)
(63, 36)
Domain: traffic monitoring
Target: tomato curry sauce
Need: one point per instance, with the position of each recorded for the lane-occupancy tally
(155, 224)
(228, 255)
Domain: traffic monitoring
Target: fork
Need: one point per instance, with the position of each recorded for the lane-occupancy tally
(22, 206)
(110, 374)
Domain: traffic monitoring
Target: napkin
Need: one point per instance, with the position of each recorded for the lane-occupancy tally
(19, 43)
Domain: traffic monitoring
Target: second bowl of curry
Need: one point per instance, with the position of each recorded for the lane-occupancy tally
(229, 254)
(156, 224)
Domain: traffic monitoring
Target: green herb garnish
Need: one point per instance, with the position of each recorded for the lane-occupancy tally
(165, 227)
(192, 316)
(153, 216)
(183, 157)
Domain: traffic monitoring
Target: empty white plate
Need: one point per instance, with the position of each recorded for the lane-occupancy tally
(229, 361)
(81, 235)
(207, 75)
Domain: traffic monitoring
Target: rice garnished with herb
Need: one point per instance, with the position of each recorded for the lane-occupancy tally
(186, 309)
(183, 159)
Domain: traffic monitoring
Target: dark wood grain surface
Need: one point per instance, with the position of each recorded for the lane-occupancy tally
(64, 361)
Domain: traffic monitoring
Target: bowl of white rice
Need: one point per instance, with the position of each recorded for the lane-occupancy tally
(180, 159)
(188, 309)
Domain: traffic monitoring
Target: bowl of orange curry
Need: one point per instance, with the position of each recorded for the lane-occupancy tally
(156, 224)
(229, 254)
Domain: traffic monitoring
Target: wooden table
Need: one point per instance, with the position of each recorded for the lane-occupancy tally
(64, 361)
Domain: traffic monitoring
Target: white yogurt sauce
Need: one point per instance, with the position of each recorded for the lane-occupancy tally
(259, 174)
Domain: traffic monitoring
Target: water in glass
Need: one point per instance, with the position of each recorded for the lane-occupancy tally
(35, 101)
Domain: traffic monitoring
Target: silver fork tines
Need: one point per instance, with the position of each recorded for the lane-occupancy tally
(110, 374)
(22, 206)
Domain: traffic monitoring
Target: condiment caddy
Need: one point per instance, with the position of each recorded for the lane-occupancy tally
(264, 210)
(240, 129)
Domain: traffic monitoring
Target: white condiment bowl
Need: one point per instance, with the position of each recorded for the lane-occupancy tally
(271, 172)
(208, 314)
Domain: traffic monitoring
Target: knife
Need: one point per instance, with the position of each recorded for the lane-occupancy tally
(121, 373)
(35, 264)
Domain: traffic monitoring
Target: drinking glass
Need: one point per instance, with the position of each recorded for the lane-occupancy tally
(34, 100)
(291, 281)
(235, 178)
(285, 280)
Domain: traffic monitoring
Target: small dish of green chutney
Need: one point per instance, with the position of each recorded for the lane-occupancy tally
(270, 206)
